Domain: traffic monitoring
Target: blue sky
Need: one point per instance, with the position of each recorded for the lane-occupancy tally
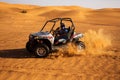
(83, 3)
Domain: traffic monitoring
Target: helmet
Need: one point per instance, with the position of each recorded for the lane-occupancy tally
(62, 25)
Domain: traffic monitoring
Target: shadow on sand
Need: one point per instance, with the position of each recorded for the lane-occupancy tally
(15, 53)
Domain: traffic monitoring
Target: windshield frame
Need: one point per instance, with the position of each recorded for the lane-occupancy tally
(56, 20)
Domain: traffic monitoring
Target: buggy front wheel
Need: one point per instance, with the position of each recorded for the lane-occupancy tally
(41, 50)
(29, 47)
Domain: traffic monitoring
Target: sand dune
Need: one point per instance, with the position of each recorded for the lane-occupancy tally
(100, 61)
(105, 16)
(6, 5)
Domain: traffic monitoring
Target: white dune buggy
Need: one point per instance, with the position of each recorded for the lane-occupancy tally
(46, 41)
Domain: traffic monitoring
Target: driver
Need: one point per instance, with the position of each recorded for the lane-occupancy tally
(63, 30)
(62, 33)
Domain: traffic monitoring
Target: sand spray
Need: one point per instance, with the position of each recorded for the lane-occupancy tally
(96, 43)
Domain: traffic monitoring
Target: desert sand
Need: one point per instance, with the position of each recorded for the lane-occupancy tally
(100, 61)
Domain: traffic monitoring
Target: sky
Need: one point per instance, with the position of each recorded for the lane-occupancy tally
(96, 4)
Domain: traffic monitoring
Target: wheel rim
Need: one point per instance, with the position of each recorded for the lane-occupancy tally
(79, 47)
(41, 51)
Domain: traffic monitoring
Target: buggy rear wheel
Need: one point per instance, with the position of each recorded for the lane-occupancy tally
(80, 45)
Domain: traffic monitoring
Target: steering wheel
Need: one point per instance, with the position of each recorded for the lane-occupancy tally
(55, 32)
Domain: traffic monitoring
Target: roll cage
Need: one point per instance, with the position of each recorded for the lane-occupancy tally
(56, 20)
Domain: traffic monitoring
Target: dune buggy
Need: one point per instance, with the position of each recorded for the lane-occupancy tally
(47, 39)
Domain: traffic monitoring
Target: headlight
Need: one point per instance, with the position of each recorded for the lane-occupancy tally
(36, 37)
